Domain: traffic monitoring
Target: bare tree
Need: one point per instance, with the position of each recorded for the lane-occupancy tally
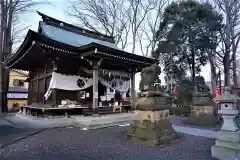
(230, 36)
(147, 31)
(137, 13)
(10, 12)
(103, 16)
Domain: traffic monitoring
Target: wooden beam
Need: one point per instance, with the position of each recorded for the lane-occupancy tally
(43, 76)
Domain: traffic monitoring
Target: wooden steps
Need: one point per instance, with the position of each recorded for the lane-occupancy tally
(101, 111)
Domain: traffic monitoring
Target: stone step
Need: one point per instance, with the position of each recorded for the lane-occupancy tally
(230, 145)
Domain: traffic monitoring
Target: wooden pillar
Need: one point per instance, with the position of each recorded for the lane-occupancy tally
(54, 91)
(95, 67)
(54, 97)
(37, 99)
(133, 92)
(95, 89)
(44, 81)
(30, 90)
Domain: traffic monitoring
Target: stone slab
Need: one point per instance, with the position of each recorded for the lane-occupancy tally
(202, 120)
(229, 136)
(230, 145)
(222, 153)
(90, 122)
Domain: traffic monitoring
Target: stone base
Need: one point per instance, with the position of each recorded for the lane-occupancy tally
(223, 153)
(227, 145)
(151, 128)
(202, 120)
(202, 116)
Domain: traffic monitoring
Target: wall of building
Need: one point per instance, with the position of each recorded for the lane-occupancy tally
(19, 76)
(15, 88)
(21, 102)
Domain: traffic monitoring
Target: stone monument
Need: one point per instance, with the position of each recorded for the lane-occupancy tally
(227, 144)
(151, 125)
(203, 109)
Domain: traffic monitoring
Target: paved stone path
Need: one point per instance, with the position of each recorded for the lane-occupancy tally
(196, 131)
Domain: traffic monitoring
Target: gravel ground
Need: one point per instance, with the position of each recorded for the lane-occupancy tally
(103, 144)
(9, 134)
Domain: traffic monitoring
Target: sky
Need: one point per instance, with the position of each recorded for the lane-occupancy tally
(59, 10)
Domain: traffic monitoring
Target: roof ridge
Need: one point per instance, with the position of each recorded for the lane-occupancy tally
(68, 25)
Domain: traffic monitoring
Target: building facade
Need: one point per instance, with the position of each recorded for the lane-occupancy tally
(18, 88)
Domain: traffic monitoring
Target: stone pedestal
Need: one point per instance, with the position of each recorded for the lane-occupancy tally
(151, 125)
(203, 112)
(227, 145)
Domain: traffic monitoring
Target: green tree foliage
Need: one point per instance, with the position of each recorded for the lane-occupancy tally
(185, 92)
(185, 35)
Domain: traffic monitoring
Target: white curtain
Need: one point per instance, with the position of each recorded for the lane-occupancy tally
(67, 82)
(116, 84)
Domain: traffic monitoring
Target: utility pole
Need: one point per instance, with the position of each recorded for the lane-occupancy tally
(1, 56)
(3, 19)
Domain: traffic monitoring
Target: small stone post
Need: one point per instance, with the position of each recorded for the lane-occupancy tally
(227, 144)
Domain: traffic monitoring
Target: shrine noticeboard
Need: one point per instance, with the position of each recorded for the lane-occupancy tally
(217, 92)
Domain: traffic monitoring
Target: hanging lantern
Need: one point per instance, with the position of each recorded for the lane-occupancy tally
(114, 84)
(121, 83)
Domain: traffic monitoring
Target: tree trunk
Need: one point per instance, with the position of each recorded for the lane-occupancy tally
(134, 43)
(213, 73)
(226, 67)
(235, 78)
(193, 64)
(226, 58)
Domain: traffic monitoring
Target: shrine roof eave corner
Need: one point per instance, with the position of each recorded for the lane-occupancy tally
(32, 38)
(28, 41)
(116, 53)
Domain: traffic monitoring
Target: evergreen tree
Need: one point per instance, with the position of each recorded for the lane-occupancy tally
(185, 35)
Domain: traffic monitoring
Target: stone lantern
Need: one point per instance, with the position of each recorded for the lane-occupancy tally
(227, 142)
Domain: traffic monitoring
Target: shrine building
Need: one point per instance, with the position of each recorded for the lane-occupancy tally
(74, 70)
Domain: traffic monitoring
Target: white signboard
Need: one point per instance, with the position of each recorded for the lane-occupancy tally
(17, 95)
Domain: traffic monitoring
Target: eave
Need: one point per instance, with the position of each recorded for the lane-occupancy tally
(35, 42)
